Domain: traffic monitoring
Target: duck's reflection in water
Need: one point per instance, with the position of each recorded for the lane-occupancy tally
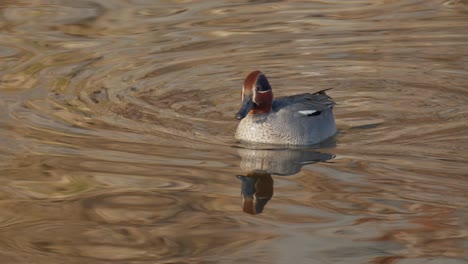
(257, 190)
(260, 164)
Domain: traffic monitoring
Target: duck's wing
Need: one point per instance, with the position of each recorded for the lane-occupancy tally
(306, 104)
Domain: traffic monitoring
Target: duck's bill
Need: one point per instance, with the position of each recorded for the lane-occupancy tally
(247, 105)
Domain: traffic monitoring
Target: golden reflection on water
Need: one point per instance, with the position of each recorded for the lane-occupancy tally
(117, 123)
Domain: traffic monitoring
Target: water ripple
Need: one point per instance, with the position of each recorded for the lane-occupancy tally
(116, 126)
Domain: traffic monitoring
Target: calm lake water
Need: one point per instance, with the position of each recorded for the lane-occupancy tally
(117, 124)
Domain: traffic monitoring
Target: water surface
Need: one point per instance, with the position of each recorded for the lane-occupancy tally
(117, 124)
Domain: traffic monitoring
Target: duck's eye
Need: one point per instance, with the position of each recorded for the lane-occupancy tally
(262, 84)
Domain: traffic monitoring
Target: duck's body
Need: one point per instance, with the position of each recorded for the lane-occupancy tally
(303, 119)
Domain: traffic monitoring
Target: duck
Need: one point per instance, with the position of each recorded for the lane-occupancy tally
(298, 120)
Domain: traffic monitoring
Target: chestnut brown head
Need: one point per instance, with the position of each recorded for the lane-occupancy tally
(257, 96)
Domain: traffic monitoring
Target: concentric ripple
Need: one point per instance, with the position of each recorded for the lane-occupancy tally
(117, 123)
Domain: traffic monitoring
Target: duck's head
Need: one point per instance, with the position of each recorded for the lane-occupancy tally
(257, 96)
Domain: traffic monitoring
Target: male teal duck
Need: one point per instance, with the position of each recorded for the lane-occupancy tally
(302, 119)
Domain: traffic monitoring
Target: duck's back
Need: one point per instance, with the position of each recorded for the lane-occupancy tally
(318, 101)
